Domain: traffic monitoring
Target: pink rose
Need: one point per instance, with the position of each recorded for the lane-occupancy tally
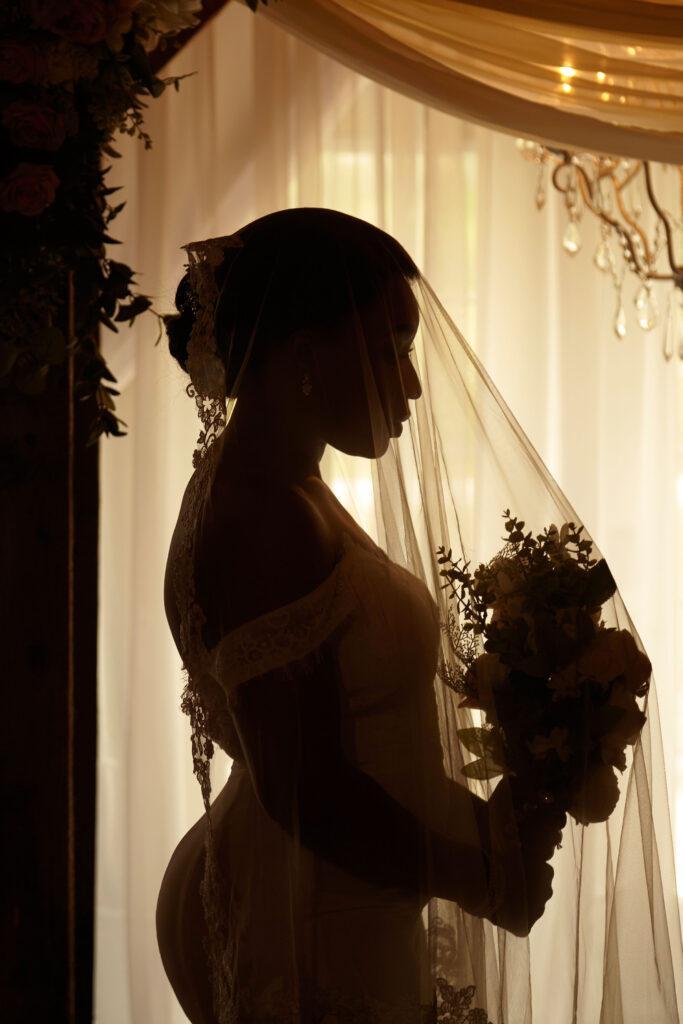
(19, 62)
(34, 125)
(29, 189)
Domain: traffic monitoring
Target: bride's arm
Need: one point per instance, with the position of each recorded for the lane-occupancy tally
(289, 725)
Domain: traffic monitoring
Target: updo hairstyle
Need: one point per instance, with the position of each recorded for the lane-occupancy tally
(297, 269)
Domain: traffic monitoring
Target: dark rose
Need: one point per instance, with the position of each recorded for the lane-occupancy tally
(34, 125)
(19, 62)
(46, 13)
(81, 21)
(29, 189)
(597, 796)
(64, 62)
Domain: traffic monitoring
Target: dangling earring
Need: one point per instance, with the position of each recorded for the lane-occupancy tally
(306, 385)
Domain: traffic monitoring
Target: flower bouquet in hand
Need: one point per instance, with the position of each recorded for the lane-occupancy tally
(558, 688)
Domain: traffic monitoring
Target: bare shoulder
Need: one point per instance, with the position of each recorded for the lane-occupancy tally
(266, 547)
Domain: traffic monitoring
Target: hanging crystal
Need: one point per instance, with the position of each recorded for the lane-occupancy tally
(620, 322)
(646, 308)
(672, 328)
(540, 187)
(571, 241)
(602, 257)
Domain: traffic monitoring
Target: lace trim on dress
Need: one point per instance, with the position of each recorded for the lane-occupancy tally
(289, 633)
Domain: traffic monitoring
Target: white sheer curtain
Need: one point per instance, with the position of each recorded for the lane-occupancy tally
(268, 123)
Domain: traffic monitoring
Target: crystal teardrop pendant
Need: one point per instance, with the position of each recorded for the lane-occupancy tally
(646, 307)
(540, 197)
(620, 323)
(571, 241)
(601, 258)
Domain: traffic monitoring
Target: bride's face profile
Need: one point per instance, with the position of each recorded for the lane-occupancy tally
(359, 381)
(365, 377)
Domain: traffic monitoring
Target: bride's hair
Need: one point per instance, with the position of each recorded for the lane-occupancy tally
(296, 269)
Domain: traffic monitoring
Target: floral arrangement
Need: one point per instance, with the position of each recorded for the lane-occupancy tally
(73, 73)
(558, 688)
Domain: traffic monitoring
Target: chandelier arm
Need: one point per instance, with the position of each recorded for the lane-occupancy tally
(586, 186)
(618, 186)
(676, 270)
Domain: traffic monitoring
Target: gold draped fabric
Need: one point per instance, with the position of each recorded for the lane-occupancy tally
(605, 76)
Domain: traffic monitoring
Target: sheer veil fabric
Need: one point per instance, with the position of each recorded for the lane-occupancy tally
(294, 936)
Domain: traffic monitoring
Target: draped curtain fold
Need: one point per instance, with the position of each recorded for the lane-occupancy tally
(270, 122)
(603, 76)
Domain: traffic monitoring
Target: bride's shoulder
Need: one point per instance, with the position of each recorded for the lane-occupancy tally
(265, 547)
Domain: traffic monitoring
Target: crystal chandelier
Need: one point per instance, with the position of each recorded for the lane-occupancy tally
(639, 235)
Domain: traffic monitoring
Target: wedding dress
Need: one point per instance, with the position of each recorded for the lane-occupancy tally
(280, 934)
(356, 946)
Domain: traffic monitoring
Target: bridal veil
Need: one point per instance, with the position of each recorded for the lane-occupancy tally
(607, 950)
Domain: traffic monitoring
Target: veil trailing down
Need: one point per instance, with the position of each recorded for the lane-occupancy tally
(394, 623)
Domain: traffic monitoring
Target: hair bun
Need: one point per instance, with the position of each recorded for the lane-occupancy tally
(178, 328)
(179, 325)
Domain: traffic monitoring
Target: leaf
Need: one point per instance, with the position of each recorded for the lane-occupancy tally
(474, 740)
(482, 769)
(110, 151)
(115, 211)
(600, 584)
(139, 304)
(108, 323)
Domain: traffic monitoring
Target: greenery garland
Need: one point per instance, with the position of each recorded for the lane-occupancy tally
(73, 73)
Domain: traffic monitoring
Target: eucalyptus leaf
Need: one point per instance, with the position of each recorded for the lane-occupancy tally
(482, 769)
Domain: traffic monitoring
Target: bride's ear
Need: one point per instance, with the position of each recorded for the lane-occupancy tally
(302, 355)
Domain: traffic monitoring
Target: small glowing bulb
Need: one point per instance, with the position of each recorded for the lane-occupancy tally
(622, 99)
(566, 87)
(601, 76)
(567, 71)
(604, 96)
(632, 50)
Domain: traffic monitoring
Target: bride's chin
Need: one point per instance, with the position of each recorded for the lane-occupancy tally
(368, 448)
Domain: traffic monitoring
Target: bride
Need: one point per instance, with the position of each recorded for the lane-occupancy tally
(346, 872)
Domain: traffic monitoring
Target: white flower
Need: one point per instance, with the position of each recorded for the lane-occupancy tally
(166, 17)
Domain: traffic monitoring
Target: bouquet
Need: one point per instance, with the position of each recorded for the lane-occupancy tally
(558, 688)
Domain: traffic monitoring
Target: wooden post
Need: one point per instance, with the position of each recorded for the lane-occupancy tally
(48, 611)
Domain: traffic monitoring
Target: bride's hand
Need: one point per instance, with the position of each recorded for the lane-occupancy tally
(521, 876)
